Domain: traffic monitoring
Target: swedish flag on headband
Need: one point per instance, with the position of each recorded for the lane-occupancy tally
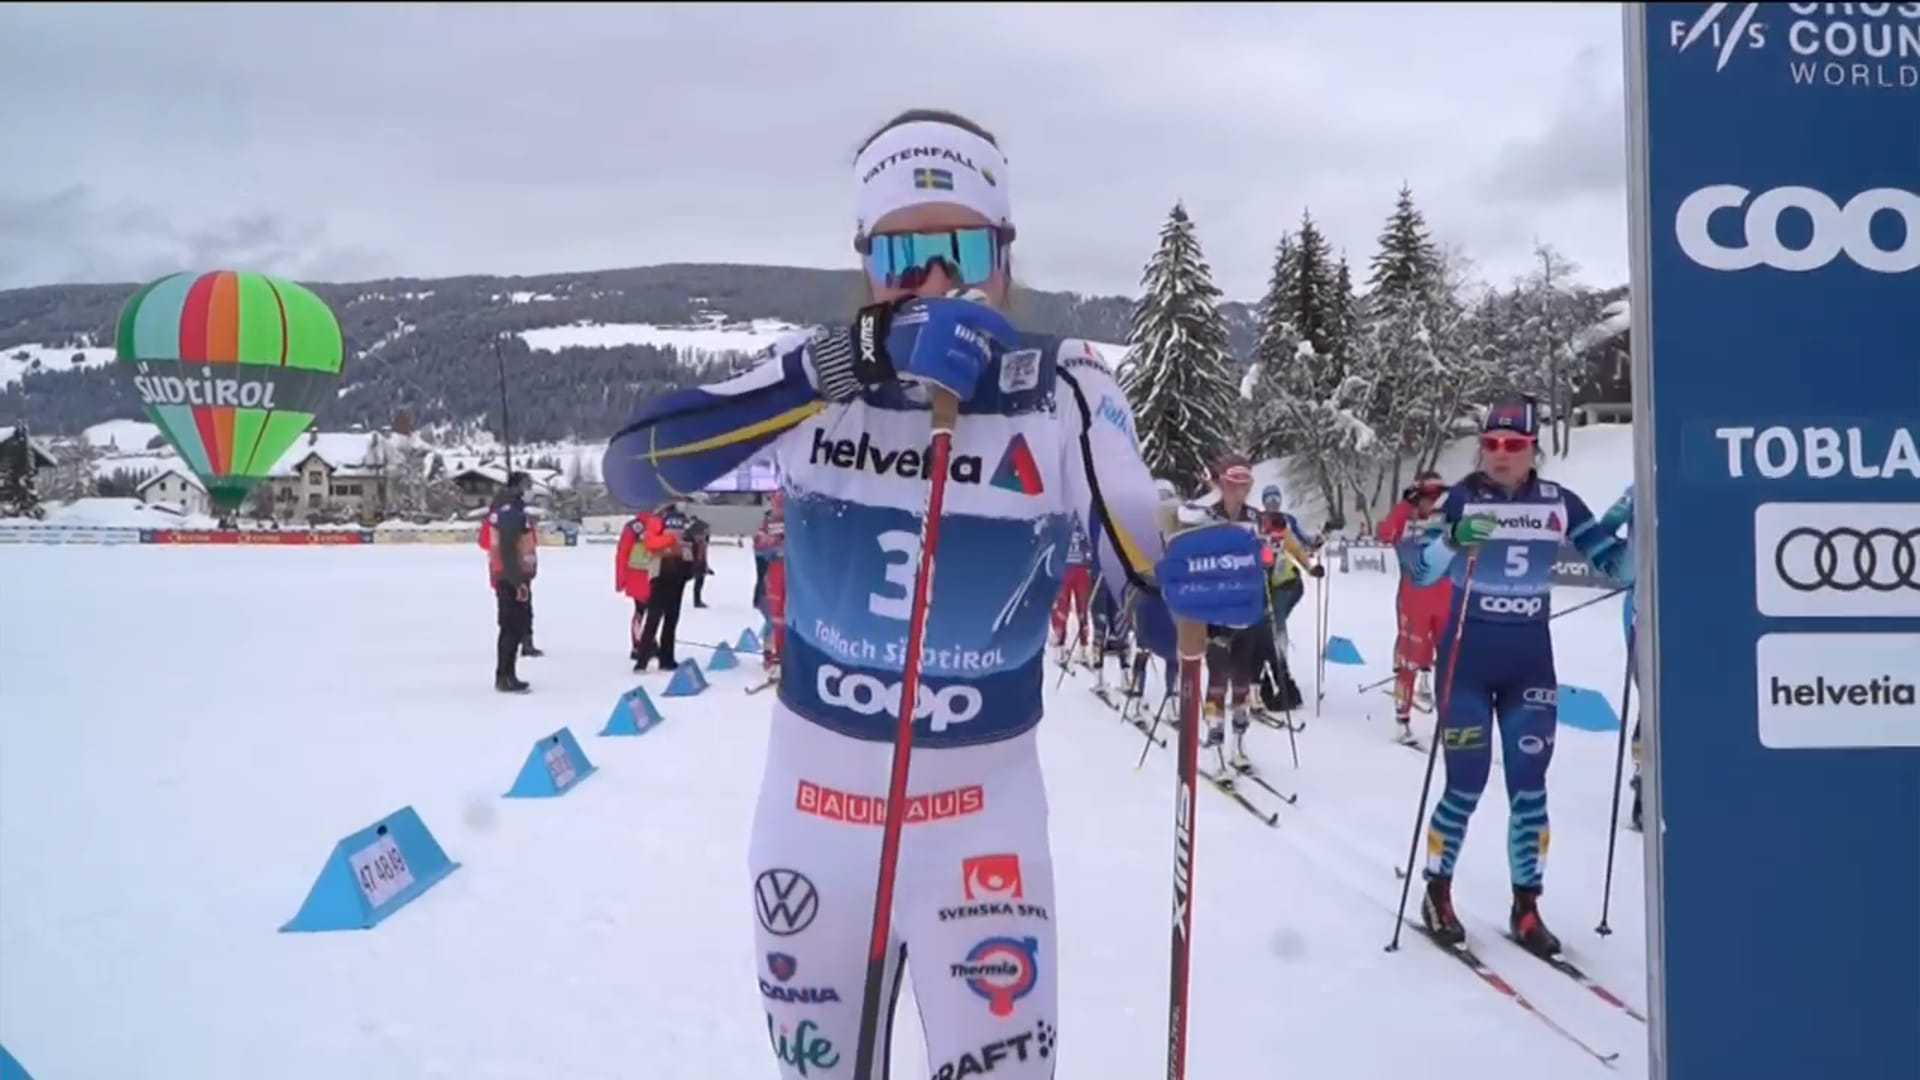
(933, 179)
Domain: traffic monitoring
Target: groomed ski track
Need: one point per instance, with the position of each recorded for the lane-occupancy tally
(185, 754)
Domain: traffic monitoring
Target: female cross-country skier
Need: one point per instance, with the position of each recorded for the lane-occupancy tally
(1076, 593)
(1421, 610)
(846, 410)
(1504, 524)
(1291, 551)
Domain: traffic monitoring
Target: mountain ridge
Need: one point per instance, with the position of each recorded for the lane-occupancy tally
(423, 347)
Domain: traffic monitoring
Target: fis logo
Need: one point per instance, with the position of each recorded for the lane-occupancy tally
(1726, 35)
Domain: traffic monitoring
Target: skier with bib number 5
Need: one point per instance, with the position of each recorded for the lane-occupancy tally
(961, 897)
(1494, 535)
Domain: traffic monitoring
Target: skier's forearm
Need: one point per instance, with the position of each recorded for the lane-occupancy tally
(1435, 557)
(1600, 543)
(684, 440)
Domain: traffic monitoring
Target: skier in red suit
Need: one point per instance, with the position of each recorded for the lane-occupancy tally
(1422, 610)
(770, 542)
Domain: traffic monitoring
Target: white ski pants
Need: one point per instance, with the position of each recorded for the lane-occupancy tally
(973, 913)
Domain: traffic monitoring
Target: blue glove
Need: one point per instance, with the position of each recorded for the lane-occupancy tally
(941, 340)
(1212, 574)
(1619, 513)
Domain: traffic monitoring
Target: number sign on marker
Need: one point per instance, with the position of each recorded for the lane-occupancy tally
(380, 870)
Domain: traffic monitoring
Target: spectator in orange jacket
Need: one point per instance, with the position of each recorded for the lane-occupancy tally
(645, 542)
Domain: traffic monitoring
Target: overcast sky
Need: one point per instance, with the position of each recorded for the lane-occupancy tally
(341, 143)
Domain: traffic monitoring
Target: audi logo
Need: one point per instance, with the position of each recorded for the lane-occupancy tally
(1847, 560)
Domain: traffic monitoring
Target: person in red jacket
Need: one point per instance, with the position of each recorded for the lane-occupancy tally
(644, 542)
(1076, 590)
(1422, 611)
(519, 482)
(769, 544)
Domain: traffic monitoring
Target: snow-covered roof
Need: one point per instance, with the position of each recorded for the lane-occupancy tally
(491, 471)
(350, 454)
(192, 481)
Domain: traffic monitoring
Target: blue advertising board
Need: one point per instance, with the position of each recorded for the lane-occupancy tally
(1775, 193)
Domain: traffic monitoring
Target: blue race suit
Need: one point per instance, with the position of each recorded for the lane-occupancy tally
(1505, 664)
(1045, 437)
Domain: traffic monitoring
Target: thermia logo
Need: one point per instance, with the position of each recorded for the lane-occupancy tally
(862, 455)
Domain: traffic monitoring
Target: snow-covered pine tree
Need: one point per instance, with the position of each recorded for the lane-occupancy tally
(1180, 377)
(19, 494)
(1403, 320)
(1306, 398)
(1549, 309)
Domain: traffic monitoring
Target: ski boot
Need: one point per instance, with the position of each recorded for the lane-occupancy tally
(1062, 654)
(1403, 731)
(527, 648)
(1423, 691)
(509, 684)
(1238, 758)
(1524, 922)
(1213, 725)
(1436, 911)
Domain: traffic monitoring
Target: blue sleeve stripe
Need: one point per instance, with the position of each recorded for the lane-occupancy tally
(684, 440)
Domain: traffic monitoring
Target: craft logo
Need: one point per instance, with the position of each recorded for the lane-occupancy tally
(1019, 370)
(854, 809)
(863, 456)
(1025, 1046)
(1017, 471)
(1002, 970)
(1870, 46)
(783, 967)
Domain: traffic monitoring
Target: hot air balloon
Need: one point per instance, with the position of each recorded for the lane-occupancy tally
(231, 366)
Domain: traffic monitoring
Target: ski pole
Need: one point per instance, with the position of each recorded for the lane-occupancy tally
(1608, 595)
(1619, 767)
(946, 414)
(1433, 751)
(1193, 648)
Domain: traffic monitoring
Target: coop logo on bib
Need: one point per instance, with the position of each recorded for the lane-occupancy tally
(1002, 970)
(868, 696)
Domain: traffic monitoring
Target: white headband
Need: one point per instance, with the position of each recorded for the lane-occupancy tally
(930, 162)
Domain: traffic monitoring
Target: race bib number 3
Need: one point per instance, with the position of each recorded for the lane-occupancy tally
(380, 870)
(559, 766)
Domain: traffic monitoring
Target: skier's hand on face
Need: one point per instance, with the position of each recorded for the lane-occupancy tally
(929, 323)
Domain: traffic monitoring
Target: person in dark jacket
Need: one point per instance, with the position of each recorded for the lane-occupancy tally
(698, 533)
(657, 637)
(512, 560)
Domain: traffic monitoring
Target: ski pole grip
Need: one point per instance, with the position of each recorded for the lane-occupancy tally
(1192, 637)
(946, 409)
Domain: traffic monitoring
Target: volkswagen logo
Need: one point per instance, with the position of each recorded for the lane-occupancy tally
(785, 901)
(1847, 560)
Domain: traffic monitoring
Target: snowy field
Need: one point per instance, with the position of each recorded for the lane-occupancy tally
(186, 732)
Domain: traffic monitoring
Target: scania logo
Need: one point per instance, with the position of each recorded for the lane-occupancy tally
(1848, 560)
(869, 696)
(1837, 230)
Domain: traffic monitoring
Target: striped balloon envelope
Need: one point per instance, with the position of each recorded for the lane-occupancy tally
(232, 366)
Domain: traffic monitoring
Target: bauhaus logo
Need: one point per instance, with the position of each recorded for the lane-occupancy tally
(1822, 229)
(864, 455)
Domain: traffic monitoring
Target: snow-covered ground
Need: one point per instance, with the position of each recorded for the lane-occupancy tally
(186, 732)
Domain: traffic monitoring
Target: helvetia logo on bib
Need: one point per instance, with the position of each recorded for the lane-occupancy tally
(1017, 470)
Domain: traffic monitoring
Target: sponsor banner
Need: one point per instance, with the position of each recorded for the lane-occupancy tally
(266, 537)
(68, 534)
(1571, 569)
(441, 535)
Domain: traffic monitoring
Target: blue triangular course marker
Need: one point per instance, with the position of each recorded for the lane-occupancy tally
(1586, 710)
(723, 659)
(633, 714)
(1342, 651)
(554, 766)
(748, 642)
(10, 1069)
(687, 680)
(372, 874)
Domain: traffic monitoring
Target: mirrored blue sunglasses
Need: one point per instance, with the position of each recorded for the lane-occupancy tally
(901, 260)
